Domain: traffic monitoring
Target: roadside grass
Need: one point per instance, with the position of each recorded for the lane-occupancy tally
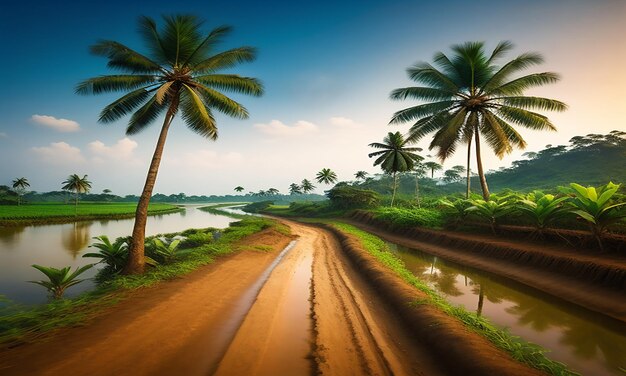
(404, 218)
(19, 323)
(218, 210)
(60, 212)
(525, 352)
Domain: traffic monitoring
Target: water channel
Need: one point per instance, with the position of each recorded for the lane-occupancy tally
(61, 245)
(587, 342)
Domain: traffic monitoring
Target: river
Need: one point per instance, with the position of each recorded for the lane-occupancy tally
(60, 245)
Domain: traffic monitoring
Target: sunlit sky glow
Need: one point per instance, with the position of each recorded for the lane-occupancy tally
(327, 67)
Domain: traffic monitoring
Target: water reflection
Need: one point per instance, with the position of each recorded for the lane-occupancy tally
(10, 235)
(62, 245)
(76, 238)
(587, 342)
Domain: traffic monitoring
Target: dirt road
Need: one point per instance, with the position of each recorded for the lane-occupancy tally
(298, 312)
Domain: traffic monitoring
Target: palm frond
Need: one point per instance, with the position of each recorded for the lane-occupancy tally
(502, 48)
(525, 118)
(534, 103)
(422, 110)
(221, 102)
(521, 62)
(124, 58)
(232, 82)
(518, 85)
(104, 84)
(446, 138)
(428, 125)
(150, 33)
(145, 115)
(207, 44)
(180, 37)
(421, 93)
(196, 114)
(427, 74)
(226, 59)
(124, 105)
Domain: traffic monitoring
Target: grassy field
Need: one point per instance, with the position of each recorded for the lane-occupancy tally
(60, 212)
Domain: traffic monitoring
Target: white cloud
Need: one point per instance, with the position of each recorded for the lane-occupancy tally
(61, 125)
(59, 153)
(122, 150)
(278, 128)
(343, 122)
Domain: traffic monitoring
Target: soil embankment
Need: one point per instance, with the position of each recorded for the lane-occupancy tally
(320, 306)
(592, 281)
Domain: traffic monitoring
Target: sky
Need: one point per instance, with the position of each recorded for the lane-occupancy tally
(327, 67)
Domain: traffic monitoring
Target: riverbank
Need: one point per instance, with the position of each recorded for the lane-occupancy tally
(55, 213)
(593, 281)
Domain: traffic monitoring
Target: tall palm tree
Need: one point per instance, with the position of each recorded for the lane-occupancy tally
(272, 191)
(294, 189)
(179, 73)
(394, 157)
(19, 186)
(78, 185)
(326, 176)
(433, 166)
(467, 95)
(306, 186)
(239, 189)
(360, 175)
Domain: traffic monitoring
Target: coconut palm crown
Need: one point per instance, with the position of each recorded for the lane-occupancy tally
(468, 95)
(20, 185)
(326, 176)
(179, 73)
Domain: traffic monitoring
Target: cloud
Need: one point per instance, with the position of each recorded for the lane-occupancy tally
(343, 122)
(122, 150)
(59, 153)
(278, 128)
(61, 125)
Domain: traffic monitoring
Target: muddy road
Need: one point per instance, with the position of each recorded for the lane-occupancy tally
(300, 309)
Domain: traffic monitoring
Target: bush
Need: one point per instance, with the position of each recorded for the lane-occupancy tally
(257, 207)
(399, 217)
(346, 197)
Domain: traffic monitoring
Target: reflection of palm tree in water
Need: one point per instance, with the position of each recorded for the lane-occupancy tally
(76, 238)
(588, 339)
(11, 235)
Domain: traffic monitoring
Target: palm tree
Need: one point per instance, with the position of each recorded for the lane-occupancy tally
(433, 166)
(239, 189)
(178, 73)
(294, 189)
(326, 176)
(468, 95)
(306, 186)
(360, 175)
(419, 169)
(19, 186)
(78, 185)
(395, 157)
(106, 191)
(272, 191)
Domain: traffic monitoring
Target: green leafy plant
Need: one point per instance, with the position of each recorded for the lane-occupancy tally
(596, 207)
(60, 279)
(166, 251)
(112, 254)
(542, 209)
(492, 210)
(455, 211)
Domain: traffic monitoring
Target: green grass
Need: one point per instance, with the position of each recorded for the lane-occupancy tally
(18, 322)
(528, 353)
(215, 209)
(402, 218)
(59, 212)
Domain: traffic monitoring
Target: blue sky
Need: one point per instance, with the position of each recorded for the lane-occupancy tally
(327, 67)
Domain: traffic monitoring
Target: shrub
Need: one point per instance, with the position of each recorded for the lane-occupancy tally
(257, 207)
(402, 218)
(346, 197)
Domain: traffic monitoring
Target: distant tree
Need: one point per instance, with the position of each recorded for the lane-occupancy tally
(272, 191)
(106, 191)
(261, 193)
(360, 175)
(326, 176)
(394, 157)
(451, 176)
(419, 170)
(470, 95)
(78, 185)
(239, 189)
(306, 186)
(179, 74)
(433, 166)
(19, 187)
(294, 189)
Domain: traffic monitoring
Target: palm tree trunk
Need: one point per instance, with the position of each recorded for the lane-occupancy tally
(469, 154)
(76, 204)
(481, 174)
(395, 185)
(136, 258)
(417, 190)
